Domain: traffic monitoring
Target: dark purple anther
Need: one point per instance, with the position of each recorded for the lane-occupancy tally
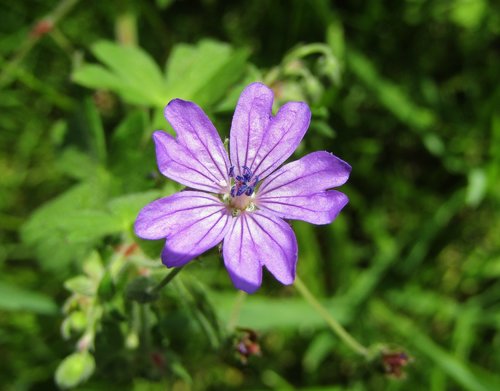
(247, 174)
(242, 189)
(243, 183)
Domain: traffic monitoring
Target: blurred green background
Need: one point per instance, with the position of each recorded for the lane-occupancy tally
(407, 92)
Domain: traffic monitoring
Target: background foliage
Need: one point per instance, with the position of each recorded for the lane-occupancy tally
(406, 91)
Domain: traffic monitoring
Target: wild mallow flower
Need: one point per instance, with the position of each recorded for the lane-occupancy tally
(242, 199)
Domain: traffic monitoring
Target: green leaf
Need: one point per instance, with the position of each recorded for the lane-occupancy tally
(132, 155)
(469, 13)
(230, 98)
(127, 207)
(180, 371)
(106, 289)
(81, 285)
(76, 321)
(77, 164)
(13, 298)
(95, 130)
(476, 187)
(84, 226)
(201, 73)
(335, 39)
(265, 313)
(93, 267)
(204, 72)
(135, 68)
(65, 228)
(75, 369)
(319, 348)
(132, 74)
(96, 76)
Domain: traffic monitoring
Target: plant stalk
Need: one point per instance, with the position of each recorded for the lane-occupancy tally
(336, 327)
(169, 277)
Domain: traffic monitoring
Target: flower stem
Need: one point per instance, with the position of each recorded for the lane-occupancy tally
(334, 325)
(235, 313)
(10, 68)
(169, 277)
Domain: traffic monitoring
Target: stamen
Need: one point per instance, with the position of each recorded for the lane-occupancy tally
(241, 190)
(243, 183)
(247, 174)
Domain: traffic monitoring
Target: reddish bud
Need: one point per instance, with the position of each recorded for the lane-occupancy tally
(130, 249)
(247, 344)
(394, 362)
(158, 360)
(43, 27)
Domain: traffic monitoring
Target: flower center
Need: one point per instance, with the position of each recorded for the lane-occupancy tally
(243, 184)
(241, 195)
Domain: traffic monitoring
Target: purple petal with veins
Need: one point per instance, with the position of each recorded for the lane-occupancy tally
(250, 122)
(197, 157)
(299, 190)
(191, 221)
(255, 240)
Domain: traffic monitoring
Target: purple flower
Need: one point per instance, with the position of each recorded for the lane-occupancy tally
(241, 200)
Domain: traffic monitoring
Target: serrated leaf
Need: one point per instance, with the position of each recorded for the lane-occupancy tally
(75, 369)
(87, 225)
(200, 73)
(127, 207)
(132, 156)
(96, 76)
(60, 232)
(204, 72)
(92, 266)
(77, 164)
(136, 70)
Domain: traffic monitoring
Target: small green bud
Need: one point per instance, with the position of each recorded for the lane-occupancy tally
(75, 369)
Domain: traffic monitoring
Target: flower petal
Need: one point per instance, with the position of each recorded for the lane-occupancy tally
(250, 121)
(298, 189)
(260, 141)
(259, 239)
(191, 221)
(282, 138)
(197, 157)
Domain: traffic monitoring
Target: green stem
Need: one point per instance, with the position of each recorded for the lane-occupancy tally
(334, 325)
(169, 277)
(235, 313)
(9, 69)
